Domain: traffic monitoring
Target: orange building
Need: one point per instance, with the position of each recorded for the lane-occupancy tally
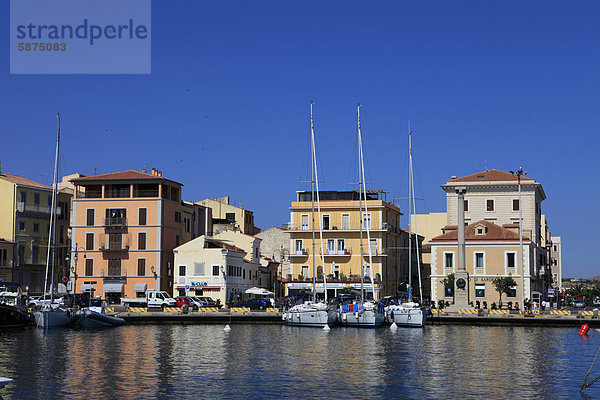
(125, 227)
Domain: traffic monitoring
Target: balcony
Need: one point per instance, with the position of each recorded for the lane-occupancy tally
(115, 222)
(342, 252)
(114, 247)
(300, 252)
(114, 272)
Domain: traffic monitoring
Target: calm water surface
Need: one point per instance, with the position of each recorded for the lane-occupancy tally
(269, 361)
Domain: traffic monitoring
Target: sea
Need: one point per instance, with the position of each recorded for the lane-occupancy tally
(277, 361)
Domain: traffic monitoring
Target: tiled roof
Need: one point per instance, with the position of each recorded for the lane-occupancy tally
(490, 176)
(19, 180)
(250, 262)
(228, 246)
(2, 240)
(129, 175)
(492, 232)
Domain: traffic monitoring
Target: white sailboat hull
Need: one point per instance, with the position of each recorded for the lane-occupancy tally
(309, 315)
(52, 318)
(364, 319)
(405, 316)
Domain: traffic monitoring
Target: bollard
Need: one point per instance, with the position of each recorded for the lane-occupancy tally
(583, 330)
(595, 313)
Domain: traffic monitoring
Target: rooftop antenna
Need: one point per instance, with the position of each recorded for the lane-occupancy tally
(485, 163)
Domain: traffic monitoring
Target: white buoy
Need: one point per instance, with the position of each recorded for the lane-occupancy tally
(393, 326)
(326, 328)
(227, 328)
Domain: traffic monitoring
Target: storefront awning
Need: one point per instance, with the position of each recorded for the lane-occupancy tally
(140, 287)
(113, 288)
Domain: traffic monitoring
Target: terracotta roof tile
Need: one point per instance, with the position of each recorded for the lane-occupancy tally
(19, 180)
(493, 232)
(490, 175)
(129, 175)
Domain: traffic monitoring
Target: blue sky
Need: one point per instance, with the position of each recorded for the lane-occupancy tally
(225, 109)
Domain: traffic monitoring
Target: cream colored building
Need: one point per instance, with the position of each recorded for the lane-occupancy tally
(338, 254)
(214, 268)
(491, 251)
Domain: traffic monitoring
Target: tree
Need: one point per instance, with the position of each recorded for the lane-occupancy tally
(504, 284)
(449, 283)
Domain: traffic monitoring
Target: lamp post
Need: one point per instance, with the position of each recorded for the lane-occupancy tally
(155, 277)
(73, 268)
(518, 173)
(282, 250)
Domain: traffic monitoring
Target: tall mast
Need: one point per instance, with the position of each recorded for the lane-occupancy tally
(312, 196)
(52, 234)
(410, 195)
(414, 207)
(360, 218)
(367, 227)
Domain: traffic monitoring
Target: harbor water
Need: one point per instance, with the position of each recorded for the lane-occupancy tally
(275, 361)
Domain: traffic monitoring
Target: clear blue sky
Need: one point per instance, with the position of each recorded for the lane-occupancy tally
(225, 110)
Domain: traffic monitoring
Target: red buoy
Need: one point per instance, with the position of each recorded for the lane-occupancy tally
(583, 330)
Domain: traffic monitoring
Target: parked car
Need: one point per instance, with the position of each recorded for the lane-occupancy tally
(256, 304)
(579, 303)
(206, 301)
(190, 301)
(40, 301)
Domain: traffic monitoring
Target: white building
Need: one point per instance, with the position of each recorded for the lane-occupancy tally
(556, 259)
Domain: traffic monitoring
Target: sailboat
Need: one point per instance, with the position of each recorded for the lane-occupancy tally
(362, 313)
(409, 313)
(313, 313)
(53, 315)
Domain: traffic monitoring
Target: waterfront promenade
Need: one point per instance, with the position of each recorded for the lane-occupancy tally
(243, 315)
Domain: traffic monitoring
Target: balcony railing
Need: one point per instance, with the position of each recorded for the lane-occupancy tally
(114, 272)
(300, 252)
(114, 246)
(115, 222)
(342, 252)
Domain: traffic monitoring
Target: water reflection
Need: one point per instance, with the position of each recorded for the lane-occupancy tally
(258, 361)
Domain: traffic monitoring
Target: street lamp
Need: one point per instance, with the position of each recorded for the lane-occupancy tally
(518, 173)
(155, 277)
(282, 251)
(74, 265)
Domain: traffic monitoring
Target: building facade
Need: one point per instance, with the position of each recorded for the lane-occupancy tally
(338, 254)
(556, 260)
(229, 217)
(25, 208)
(125, 226)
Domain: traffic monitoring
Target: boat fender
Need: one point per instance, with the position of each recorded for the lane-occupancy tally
(583, 330)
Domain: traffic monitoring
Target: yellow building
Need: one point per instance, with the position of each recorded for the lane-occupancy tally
(25, 208)
(7, 249)
(338, 254)
(230, 216)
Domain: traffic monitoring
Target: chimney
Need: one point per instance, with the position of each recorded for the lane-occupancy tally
(159, 173)
(153, 171)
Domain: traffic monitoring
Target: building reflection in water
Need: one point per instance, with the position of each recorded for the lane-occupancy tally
(258, 361)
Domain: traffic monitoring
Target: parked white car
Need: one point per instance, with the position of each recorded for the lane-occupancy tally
(40, 301)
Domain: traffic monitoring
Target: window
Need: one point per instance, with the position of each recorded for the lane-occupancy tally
(114, 267)
(325, 225)
(35, 253)
(89, 221)
(142, 216)
(515, 204)
(330, 246)
(182, 270)
(36, 227)
(299, 246)
(215, 271)
(555, 247)
(142, 241)
(115, 241)
(480, 290)
(49, 200)
(366, 221)
(510, 260)
(335, 270)
(3, 260)
(449, 260)
(21, 226)
(341, 245)
(36, 201)
(479, 261)
(244, 273)
(141, 270)
(230, 217)
(198, 268)
(89, 241)
(116, 216)
(305, 271)
(346, 221)
(466, 205)
(512, 292)
(177, 216)
(304, 222)
(373, 246)
(24, 198)
(480, 230)
(21, 254)
(490, 205)
(176, 240)
(89, 266)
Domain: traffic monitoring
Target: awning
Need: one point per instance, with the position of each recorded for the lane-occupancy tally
(86, 287)
(140, 287)
(113, 288)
